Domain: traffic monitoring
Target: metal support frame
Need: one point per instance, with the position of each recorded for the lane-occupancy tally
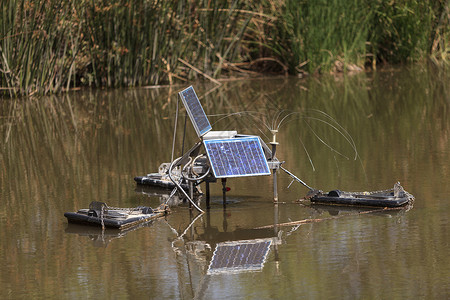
(208, 206)
(274, 144)
(274, 164)
(224, 192)
(191, 192)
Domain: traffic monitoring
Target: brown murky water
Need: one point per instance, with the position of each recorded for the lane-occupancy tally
(60, 153)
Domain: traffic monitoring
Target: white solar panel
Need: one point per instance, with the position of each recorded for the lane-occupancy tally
(236, 157)
(195, 111)
(238, 256)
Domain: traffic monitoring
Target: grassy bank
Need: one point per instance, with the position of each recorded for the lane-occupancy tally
(47, 46)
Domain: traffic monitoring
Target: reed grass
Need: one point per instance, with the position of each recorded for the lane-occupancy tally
(36, 45)
(326, 31)
(47, 46)
(339, 35)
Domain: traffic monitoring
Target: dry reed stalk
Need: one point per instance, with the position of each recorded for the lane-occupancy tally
(306, 221)
(198, 71)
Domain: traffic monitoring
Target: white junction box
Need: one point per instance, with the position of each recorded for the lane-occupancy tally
(218, 135)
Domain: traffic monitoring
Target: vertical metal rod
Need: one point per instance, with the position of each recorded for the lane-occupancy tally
(208, 221)
(175, 131)
(275, 231)
(225, 221)
(184, 134)
(275, 189)
(275, 219)
(207, 195)
(191, 192)
(224, 192)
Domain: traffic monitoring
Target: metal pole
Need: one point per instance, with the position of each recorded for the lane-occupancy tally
(274, 151)
(275, 231)
(296, 178)
(225, 221)
(184, 134)
(275, 190)
(207, 195)
(174, 131)
(224, 192)
(191, 192)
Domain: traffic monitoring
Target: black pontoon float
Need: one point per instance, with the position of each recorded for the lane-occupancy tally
(100, 214)
(394, 197)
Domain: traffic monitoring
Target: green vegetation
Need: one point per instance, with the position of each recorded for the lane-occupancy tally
(348, 35)
(47, 46)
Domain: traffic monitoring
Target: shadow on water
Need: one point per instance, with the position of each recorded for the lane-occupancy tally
(59, 153)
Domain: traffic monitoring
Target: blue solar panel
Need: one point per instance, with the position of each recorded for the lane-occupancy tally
(231, 257)
(237, 157)
(195, 111)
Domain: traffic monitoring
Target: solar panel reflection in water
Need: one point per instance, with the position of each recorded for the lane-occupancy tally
(237, 157)
(195, 111)
(239, 256)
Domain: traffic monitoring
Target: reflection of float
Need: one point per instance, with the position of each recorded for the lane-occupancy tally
(339, 211)
(163, 195)
(343, 211)
(101, 237)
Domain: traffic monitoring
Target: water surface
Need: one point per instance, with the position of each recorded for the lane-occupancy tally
(61, 152)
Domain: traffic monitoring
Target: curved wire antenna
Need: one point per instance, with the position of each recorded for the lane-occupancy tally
(275, 119)
(240, 114)
(285, 118)
(350, 138)
(278, 118)
(324, 118)
(329, 121)
(323, 142)
(307, 153)
(341, 130)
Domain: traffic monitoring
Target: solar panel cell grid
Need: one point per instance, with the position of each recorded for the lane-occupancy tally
(195, 111)
(239, 256)
(237, 157)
